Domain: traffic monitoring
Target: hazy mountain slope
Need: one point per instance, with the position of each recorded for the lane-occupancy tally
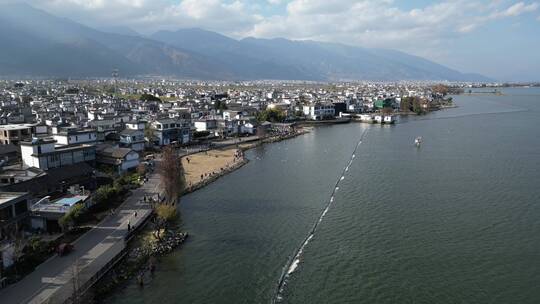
(61, 47)
(308, 59)
(35, 43)
(243, 61)
(31, 47)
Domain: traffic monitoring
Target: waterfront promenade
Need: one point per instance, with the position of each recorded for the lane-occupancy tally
(54, 280)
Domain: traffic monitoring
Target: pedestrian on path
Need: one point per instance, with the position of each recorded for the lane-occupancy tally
(140, 280)
(135, 214)
(129, 226)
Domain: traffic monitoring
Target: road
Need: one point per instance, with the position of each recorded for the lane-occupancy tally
(53, 279)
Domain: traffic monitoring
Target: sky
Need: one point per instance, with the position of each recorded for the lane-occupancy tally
(496, 38)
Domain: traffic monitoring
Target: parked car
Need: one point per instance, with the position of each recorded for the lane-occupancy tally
(149, 157)
(64, 248)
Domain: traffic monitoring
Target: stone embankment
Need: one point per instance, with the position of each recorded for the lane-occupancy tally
(168, 243)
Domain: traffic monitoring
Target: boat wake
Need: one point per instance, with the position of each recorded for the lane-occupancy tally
(293, 263)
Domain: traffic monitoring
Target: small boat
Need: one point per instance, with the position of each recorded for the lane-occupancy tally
(418, 141)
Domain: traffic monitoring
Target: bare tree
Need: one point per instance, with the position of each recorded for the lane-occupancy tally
(172, 177)
(18, 251)
(261, 132)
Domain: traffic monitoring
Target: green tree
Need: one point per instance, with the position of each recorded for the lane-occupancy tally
(272, 115)
(413, 104)
(220, 105)
(165, 215)
(72, 91)
(73, 217)
(405, 104)
(149, 97)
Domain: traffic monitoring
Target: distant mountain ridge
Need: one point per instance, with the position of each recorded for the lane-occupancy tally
(36, 43)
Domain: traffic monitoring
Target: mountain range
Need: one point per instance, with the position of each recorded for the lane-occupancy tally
(36, 43)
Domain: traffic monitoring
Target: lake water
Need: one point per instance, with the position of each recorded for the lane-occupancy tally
(454, 221)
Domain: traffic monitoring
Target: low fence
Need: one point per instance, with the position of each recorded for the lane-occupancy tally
(83, 280)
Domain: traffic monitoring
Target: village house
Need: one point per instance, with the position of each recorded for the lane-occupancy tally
(319, 111)
(172, 130)
(133, 139)
(45, 213)
(103, 128)
(74, 136)
(42, 153)
(13, 212)
(14, 133)
(9, 154)
(121, 159)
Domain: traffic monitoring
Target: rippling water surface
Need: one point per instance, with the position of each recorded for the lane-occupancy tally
(454, 221)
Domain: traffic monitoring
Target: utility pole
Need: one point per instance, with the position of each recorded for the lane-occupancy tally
(114, 75)
(75, 281)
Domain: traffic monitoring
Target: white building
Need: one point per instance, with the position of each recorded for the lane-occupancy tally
(134, 139)
(43, 154)
(122, 159)
(206, 125)
(136, 125)
(319, 111)
(75, 137)
(171, 130)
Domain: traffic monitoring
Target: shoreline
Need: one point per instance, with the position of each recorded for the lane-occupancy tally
(240, 163)
(126, 269)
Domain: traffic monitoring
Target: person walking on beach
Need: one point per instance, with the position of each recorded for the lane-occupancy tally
(129, 226)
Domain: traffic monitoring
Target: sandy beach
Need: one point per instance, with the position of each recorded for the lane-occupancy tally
(203, 166)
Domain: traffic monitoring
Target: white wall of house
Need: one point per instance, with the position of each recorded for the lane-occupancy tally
(135, 126)
(319, 111)
(82, 138)
(102, 125)
(247, 128)
(201, 126)
(131, 161)
(41, 130)
(27, 158)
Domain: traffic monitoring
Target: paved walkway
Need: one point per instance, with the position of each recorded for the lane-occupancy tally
(52, 281)
(234, 141)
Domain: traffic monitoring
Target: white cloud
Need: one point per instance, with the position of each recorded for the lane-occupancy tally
(516, 10)
(368, 23)
(146, 16)
(468, 28)
(358, 22)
